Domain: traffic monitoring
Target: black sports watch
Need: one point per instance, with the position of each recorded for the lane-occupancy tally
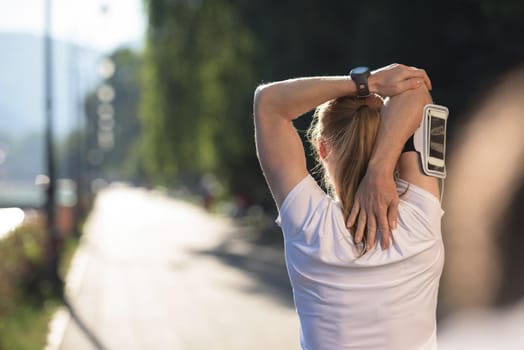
(360, 76)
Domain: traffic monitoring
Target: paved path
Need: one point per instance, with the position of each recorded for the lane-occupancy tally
(156, 273)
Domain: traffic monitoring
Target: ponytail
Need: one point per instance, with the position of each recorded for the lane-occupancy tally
(350, 126)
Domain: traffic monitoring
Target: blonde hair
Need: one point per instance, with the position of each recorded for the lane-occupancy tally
(349, 125)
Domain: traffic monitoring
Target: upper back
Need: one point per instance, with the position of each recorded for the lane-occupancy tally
(342, 297)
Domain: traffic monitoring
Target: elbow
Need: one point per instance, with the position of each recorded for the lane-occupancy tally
(261, 100)
(419, 97)
(257, 98)
(270, 101)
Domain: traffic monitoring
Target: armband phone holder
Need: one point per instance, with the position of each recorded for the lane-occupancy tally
(430, 140)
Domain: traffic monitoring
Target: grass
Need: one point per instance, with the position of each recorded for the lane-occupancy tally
(30, 303)
(27, 327)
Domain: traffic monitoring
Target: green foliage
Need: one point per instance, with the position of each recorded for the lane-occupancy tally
(204, 59)
(198, 83)
(126, 82)
(119, 162)
(22, 252)
(27, 328)
(24, 288)
(27, 300)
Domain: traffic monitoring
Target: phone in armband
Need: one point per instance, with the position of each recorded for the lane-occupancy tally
(430, 140)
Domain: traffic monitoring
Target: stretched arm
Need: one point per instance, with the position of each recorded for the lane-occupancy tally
(279, 148)
(376, 201)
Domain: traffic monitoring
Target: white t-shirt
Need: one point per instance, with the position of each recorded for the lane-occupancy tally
(384, 299)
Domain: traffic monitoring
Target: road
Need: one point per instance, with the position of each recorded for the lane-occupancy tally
(154, 272)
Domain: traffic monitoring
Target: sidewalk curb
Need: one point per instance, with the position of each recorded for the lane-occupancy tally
(62, 317)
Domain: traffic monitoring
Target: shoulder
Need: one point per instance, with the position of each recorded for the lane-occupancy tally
(303, 202)
(305, 196)
(419, 210)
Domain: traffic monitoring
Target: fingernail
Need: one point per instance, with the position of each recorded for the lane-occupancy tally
(394, 224)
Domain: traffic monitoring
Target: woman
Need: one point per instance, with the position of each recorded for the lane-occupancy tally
(350, 296)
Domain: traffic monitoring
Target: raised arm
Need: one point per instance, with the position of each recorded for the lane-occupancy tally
(279, 148)
(376, 200)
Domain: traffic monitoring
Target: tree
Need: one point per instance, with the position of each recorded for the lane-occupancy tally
(121, 162)
(204, 59)
(198, 83)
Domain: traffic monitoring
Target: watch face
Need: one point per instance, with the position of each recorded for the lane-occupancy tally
(360, 70)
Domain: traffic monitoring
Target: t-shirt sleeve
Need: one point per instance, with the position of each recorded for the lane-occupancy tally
(299, 206)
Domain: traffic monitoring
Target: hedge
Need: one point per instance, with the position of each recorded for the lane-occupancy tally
(23, 269)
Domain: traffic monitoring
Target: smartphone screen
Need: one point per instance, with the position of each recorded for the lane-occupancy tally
(437, 142)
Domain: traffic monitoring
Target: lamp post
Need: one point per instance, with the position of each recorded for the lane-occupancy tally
(49, 150)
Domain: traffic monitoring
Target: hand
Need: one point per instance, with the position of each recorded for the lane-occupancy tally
(376, 201)
(397, 78)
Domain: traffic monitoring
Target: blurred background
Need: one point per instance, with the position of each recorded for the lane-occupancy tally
(133, 212)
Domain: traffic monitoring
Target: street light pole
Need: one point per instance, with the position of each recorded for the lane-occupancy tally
(49, 149)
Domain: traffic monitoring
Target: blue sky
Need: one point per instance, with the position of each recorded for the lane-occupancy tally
(95, 32)
(80, 21)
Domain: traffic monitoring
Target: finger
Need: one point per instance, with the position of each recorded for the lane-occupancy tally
(421, 73)
(384, 229)
(392, 238)
(409, 84)
(392, 221)
(360, 227)
(371, 231)
(427, 81)
(353, 215)
(393, 214)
